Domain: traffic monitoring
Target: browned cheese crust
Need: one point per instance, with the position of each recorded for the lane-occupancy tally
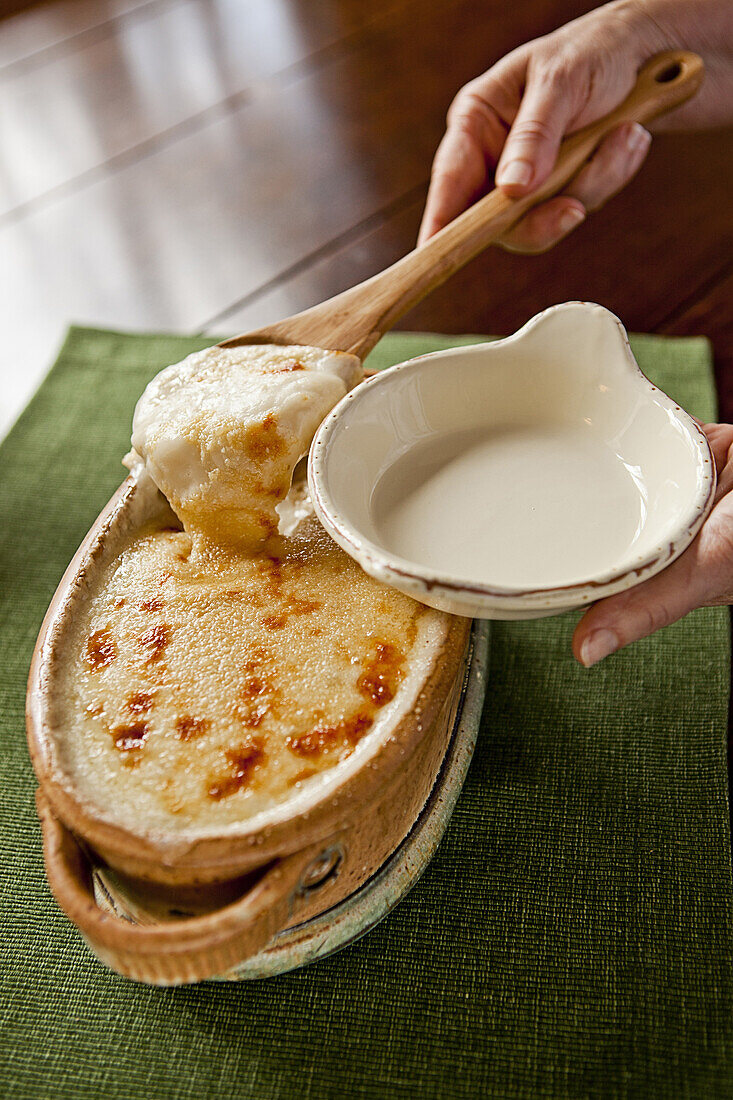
(201, 690)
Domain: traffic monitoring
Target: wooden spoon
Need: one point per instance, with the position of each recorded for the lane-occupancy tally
(356, 319)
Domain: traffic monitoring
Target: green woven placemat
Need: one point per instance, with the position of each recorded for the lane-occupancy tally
(572, 936)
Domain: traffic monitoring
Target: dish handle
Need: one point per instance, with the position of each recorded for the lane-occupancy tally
(191, 949)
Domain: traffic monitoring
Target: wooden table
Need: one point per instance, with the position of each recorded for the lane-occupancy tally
(212, 165)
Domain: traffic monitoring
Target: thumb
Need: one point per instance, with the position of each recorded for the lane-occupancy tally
(624, 618)
(531, 148)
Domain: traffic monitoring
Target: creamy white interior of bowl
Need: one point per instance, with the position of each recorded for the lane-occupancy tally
(542, 461)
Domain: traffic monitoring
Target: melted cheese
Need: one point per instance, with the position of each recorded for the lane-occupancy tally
(221, 432)
(218, 670)
(207, 690)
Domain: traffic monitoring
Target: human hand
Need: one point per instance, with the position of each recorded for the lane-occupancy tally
(505, 127)
(701, 577)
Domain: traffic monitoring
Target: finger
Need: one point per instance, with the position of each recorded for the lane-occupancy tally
(615, 162)
(465, 160)
(531, 148)
(619, 620)
(725, 481)
(458, 177)
(720, 438)
(544, 226)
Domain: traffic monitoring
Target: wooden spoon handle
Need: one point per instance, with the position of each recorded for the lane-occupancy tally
(664, 82)
(173, 952)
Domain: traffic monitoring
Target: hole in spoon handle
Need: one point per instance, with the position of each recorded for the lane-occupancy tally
(667, 80)
(669, 73)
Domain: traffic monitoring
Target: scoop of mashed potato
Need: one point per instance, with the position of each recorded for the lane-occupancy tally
(221, 432)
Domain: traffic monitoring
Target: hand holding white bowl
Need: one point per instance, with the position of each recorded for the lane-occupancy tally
(701, 577)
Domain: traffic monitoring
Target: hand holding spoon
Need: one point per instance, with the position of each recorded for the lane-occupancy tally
(356, 319)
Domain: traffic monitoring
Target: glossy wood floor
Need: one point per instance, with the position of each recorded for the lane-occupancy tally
(211, 165)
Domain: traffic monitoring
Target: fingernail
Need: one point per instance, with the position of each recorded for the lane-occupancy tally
(516, 173)
(571, 218)
(638, 138)
(597, 646)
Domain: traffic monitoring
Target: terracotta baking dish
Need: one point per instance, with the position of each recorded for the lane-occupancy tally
(235, 890)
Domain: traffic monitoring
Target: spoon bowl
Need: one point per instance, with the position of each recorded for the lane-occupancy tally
(517, 478)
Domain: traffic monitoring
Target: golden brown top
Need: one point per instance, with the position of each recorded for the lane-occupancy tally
(212, 687)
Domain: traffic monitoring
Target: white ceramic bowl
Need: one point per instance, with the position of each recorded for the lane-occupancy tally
(517, 478)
